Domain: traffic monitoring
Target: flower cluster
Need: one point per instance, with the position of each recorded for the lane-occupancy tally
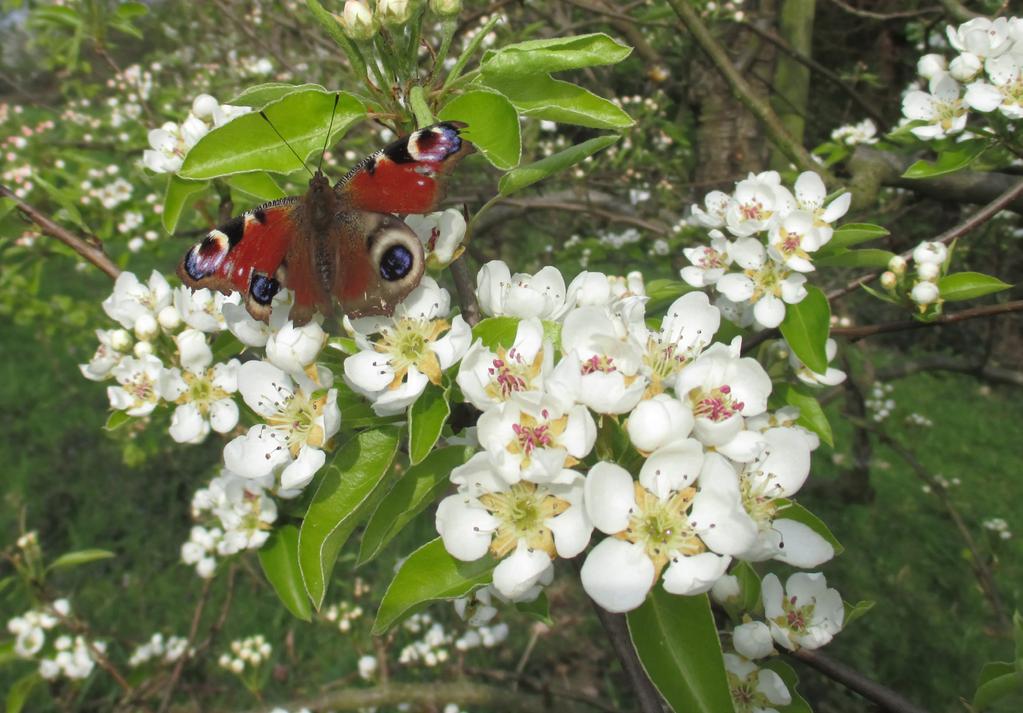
(250, 652)
(990, 65)
(429, 650)
(342, 615)
(774, 233)
(864, 132)
(159, 649)
(73, 657)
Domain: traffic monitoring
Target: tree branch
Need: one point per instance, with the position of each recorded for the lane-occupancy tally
(852, 679)
(466, 290)
(869, 330)
(91, 250)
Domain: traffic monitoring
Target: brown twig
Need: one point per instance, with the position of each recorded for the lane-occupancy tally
(466, 290)
(901, 15)
(193, 631)
(869, 330)
(90, 250)
(852, 679)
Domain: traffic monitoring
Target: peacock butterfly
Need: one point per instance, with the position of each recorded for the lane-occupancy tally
(341, 242)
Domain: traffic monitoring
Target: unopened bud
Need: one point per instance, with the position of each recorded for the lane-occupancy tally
(204, 106)
(121, 340)
(925, 293)
(897, 265)
(357, 21)
(928, 271)
(143, 349)
(889, 279)
(446, 7)
(146, 327)
(394, 12)
(169, 318)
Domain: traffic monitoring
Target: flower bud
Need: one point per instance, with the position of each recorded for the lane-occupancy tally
(357, 21)
(446, 7)
(897, 265)
(965, 67)
(930, 252)
(925, 293)
(928, 271)
(394, 12)
(656, 421)
(142, 349)
(930, 65)
(294, 348)
(146, 327)
(367, 667)
(753, 640)
(889, 280)
(121, 340)
(204, 106)
(726, 589)
(169, 318)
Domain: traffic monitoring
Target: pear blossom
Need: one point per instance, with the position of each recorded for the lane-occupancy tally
(520, 295)
(488, 378)
(925, 293)
(930, 252)
(357, 20)
(940, 107)
(535, 436)
(139, 389)
(793, 238)
(243, 508)
(658, 525)
(412, 349)
(524, 524)
(753, 640)
(756, 203)
(709, 262)
(132, 300)
(294, 349)
(1005, 92)
(811, 193)
(441, 234)
(587, 289)
(249, 331)
(657, 421)
(982, 37)
(863, 132)
(201, 549)
(755, 689)
(108, 354)
(713, 216)
(203, 394)
(203, 309)
(806, 614)
(831, 376)
(931, 65)
(764, 283)
(688, 327)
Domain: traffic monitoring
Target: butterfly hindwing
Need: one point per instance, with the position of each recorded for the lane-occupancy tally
(408, 175)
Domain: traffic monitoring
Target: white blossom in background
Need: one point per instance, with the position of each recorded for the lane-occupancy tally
(139, 389)
(806, 614)
(162, 650)
(521, 295)
(831, 377)
(409, 350)
(200, 550)
(248, 653)
(113, 346)
(941, 108)
(755, 689)
(243, 509)
(171, 142)
(133, 300)
(709, 262)
(864, 132)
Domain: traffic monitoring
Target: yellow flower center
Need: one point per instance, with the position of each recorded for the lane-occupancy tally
(522, 511)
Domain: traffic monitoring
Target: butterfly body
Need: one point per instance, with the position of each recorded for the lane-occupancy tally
(339, 242)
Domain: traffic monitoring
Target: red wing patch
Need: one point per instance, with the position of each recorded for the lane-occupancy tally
(408, 175)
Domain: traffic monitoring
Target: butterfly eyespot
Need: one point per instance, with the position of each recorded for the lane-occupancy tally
(396, 263)
(263, 289)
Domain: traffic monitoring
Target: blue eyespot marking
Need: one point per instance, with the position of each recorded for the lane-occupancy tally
(263, 289)
(396, 263)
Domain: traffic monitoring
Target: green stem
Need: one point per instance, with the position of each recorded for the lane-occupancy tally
(464, 79)
(420, 107)
(448, 30)
(469, 51)
(388, 53)
(412, 51)
(327, 21)
(483, 209)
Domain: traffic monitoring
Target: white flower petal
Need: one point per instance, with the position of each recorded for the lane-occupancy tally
(617, 575)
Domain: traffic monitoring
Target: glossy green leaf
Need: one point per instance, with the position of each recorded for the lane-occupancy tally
(790, 510)
(869, 257)
(79, 557)
(179, 190)
(20, 690)
(855, 611)
(788, 675)
(225, 346)
(248, 144)
(417, 489)
(493, 126)
(426, 420)
(427, 575)
(677, 642)
(523, 176)
(116, 419)
(998, 680)
(661, 293)
(806, 327)
(811, 415)
(339, 504)
(969, 285)
(749, 583)
(853, 234)
(262, 94)
(543, 97)
(259, 185)
(496, 332)
(538, 609)
(956, 158)
(129, 10)
(526, 59)
(279, 559)
(358, 413)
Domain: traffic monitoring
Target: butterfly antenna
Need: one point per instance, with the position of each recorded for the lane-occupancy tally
(330, 126)
(267, 120)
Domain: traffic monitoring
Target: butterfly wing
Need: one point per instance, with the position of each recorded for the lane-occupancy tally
(245, 255)
(408, 175)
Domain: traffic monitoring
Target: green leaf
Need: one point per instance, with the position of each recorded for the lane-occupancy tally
(179, 190)
(790, 510)
(749, 582)
(496, 332)
(664, 292)
(949, 160)
(884, 297)
(788, 675)
(805, 328)
(998, 680)
(79, 557)
(116, 419)
(339, 504)
(855, 611)
(426, 420)
(262, 94)
(259, 185)
(613, 444)
(811, 415)
(526, 59)
(493, 126)
(853, 234)
(7, 654)
(967, 285)
(427, 575)
(225, 346)
(20, 690)
(129, 10)
(419, 486)
(248, 144)
(539, 609)
(677, 642)
(279, 559)
(358, 412)
(523, 176)
(870, 257)
(543, 97)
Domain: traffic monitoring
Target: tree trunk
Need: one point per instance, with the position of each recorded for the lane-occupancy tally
(791, 78)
